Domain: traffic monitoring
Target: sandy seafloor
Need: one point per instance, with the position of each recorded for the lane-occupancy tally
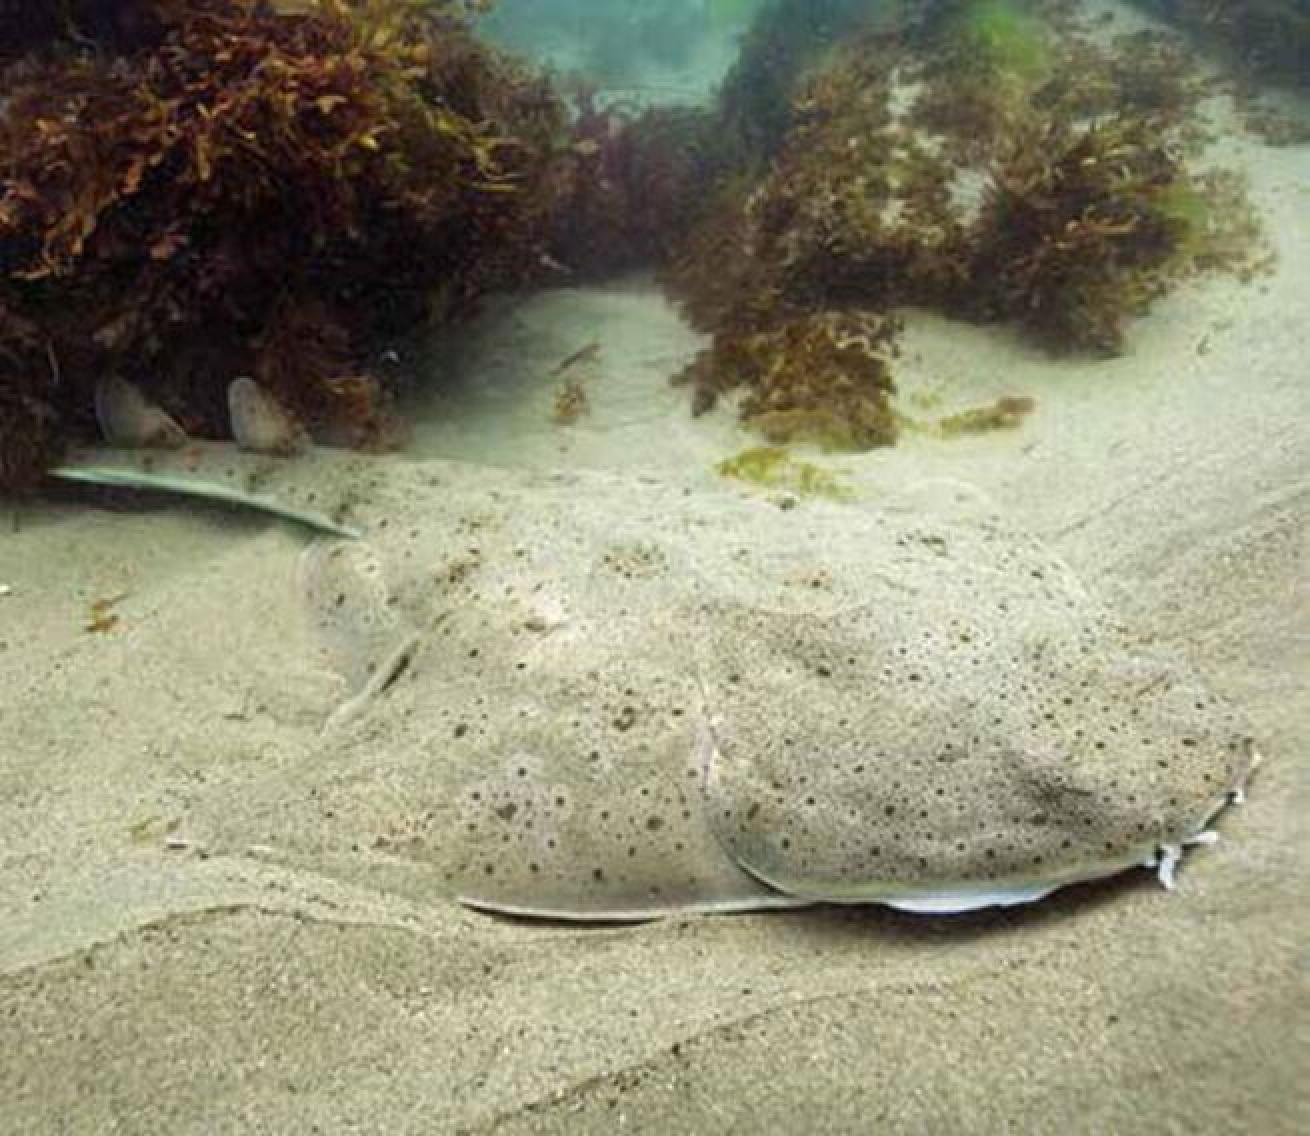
(149, 988)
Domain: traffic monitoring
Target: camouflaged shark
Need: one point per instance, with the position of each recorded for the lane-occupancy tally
(604, 697)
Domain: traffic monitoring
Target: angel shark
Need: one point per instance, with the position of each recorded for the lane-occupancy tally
(602, 697)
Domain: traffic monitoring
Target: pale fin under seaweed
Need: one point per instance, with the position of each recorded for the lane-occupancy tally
(261, 424)
(148, 450)
(127, 418)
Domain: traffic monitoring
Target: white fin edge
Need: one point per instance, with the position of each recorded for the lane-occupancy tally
(205, 490)
(390, 670)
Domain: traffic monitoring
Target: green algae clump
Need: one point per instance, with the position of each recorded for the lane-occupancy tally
(1004, 414)
(772, 467)
(1000, 37)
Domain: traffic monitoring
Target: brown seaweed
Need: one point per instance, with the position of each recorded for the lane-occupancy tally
(987, 159)
(824, 379)
(195, 190)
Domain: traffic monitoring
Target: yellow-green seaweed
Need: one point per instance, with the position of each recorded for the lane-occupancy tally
(774, 468)
(1003, 37)
(1003, 414)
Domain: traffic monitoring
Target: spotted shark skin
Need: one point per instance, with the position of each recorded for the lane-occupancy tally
(612, 701)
